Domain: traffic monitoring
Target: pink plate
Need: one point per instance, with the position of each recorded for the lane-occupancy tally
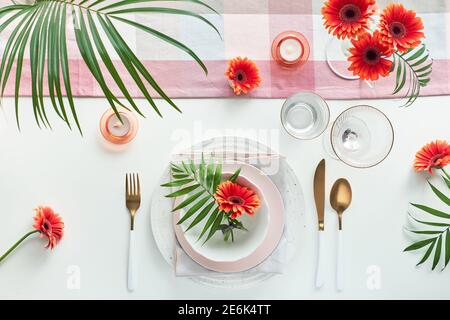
(249, 248)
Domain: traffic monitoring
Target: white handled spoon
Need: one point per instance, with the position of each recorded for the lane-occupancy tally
(340, 199)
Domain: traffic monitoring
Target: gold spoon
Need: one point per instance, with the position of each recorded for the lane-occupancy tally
(340, 199)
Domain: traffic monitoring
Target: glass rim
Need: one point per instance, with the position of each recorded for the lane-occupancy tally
(388, 121)
(327, 108)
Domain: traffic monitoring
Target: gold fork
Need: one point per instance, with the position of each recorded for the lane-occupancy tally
(133, 202)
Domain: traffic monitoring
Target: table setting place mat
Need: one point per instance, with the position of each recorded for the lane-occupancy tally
(228, 150)
(248, 28)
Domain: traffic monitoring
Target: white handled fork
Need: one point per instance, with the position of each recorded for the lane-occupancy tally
(133, 202)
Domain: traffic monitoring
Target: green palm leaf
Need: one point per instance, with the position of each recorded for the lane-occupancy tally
(447, 181)
(209, 222)
(446, 174)
(437, 252)
(109, 63)
(428, 232)
(427, 253)
(447, 248)
(125, 3)
(441, 242)
(42, 27)
(202, 215)
(210, 175)
(165, 11)
(202, 170)
(194, 208)
(234, 177)
(440, 195)
(217, 177)
(414, 69)
(183, 191)
(189, 200)
(176, 169)
(429, 223)
(215, 226)
(446, 178)
(178, 183)
(419, 245)
(197, 184)
(432, 211)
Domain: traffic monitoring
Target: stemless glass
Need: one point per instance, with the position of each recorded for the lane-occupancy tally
(362, 136)
(305, 115)
(336, 54)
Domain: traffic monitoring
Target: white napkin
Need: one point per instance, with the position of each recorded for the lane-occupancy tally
(276, 262)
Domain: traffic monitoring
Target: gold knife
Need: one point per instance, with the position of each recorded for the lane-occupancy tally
(319, 197)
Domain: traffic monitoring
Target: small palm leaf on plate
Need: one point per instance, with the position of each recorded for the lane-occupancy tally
(413, 69)
(437, 238)
(197, 183)
(43, 27)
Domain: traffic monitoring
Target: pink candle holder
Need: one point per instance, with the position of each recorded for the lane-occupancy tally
(117, 132)
(291, 49)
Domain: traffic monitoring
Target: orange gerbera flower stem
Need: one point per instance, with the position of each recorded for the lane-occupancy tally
(47, 223)
(7, 253)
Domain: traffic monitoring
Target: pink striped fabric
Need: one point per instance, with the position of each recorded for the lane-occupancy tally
(248, 29)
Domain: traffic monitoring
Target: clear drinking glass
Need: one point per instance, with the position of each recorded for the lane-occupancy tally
(305, 115)
(362, 136)
(336, 54)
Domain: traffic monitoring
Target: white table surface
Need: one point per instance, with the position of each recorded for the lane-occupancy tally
(83, 181)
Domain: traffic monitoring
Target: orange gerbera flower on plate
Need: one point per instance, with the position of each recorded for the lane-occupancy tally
(243, 75)
(236, 200)
(400, 28)
(435, 154)
(347, 18)
(49, 224)
(369, 57)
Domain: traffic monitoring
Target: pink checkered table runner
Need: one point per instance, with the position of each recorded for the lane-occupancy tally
(248, 28)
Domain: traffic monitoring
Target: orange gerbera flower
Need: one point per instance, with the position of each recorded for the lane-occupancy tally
(49, 224)
(347, 18)
(243, 75)
(400, 28)
(235, 199)
(369, 57)
(435, 154)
